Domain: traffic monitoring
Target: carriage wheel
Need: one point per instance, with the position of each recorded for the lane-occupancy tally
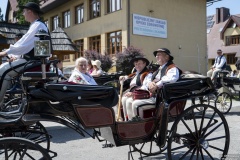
(149, 148)
(19, 148)
(197, 135)
(12, 105)
(36, 133)
(201, 100)
(223, 102)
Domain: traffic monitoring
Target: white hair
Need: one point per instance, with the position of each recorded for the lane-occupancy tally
(80, 59)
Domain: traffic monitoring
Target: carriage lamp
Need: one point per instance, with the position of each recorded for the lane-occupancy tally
(42, 49)
(42, 46)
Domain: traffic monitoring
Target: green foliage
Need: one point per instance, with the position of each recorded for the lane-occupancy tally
(19, 13)
(125, 57)
(1, 15)
(106, 61)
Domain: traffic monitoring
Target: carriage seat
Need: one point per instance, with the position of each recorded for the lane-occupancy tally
(76, 93)
(149, 110)
(36, 76)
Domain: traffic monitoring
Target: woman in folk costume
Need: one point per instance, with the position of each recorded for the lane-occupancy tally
(168, 72)
(80, 74)
(140, 79)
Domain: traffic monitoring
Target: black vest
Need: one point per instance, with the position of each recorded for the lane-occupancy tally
(162, 71)
(30, 55)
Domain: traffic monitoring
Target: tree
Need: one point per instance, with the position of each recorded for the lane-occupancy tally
(1, 15)
(125, 57)
(19, 13)
(106, 61)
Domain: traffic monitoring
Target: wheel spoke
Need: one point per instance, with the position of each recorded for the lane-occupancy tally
(185, 124)
(208, 154)
(202, 120)
(219, 149)
(186, 153)
(213, 130)
(216, 138)
(208, 125)
(193, 154)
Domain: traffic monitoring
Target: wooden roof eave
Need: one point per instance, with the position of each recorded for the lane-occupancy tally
(226, 26)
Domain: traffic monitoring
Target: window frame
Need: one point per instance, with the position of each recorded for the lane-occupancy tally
(231, 59)
(111, 8)
(55, 22)
(94, 4)
(232, 40)
(79, 16)
(117, 47)
(66, 20)
(80, 46)
(95, 43)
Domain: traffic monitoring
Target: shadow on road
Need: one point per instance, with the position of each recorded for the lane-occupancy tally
(62, 134)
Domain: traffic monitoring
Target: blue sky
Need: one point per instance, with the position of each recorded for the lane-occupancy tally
(233, 5)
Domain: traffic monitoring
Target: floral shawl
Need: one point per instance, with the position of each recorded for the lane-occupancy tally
(81, 78)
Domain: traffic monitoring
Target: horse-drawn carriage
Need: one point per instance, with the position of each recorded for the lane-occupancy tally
(183, 130)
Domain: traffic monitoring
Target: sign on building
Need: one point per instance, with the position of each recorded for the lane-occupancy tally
(148, 26)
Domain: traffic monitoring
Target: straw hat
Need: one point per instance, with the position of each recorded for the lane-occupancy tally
(96, 63)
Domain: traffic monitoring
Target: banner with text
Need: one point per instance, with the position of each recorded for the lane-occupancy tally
(148, 26)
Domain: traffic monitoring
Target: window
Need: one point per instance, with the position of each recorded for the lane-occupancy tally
(66, 58)
(114, 42)
(79, 44)
(54, 22)
(231, 59)
(95, 43)
(114, 5)
(66, 19)
(232, 40)
(46, 22)
(79, 14)
(94, 8)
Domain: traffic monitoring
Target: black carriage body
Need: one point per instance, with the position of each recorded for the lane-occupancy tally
(92, 107)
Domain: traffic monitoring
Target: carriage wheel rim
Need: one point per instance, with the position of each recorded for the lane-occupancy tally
(199, 143)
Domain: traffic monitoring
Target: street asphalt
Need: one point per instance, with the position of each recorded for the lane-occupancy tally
(70, 145)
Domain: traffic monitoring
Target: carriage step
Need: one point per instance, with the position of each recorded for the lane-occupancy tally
(107, 145)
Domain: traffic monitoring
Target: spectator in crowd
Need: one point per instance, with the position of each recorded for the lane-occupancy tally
(90, 67)
(168, 72)
(59, 68)
(139, 79)
(234, 73)
(97, 70)
(80, 74)
(219, 64)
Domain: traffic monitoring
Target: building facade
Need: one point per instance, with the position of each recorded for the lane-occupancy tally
(109, 26)
(223, 32)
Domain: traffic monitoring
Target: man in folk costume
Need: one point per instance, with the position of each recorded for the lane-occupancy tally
(168, 72)
(140, 79)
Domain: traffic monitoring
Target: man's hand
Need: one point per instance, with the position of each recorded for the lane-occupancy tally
(11, 59)
(152, 87)
(122, 78)
(128, 94)
(2, 54)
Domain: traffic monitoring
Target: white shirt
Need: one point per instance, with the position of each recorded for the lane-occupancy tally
(171, 76)
(219, 64)
(81, 78)
(146, 80)
(26, 43)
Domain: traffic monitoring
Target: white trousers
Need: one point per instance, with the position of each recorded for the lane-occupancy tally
(127, 103)
(212, 73)
(130, 106)
(6, 74)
